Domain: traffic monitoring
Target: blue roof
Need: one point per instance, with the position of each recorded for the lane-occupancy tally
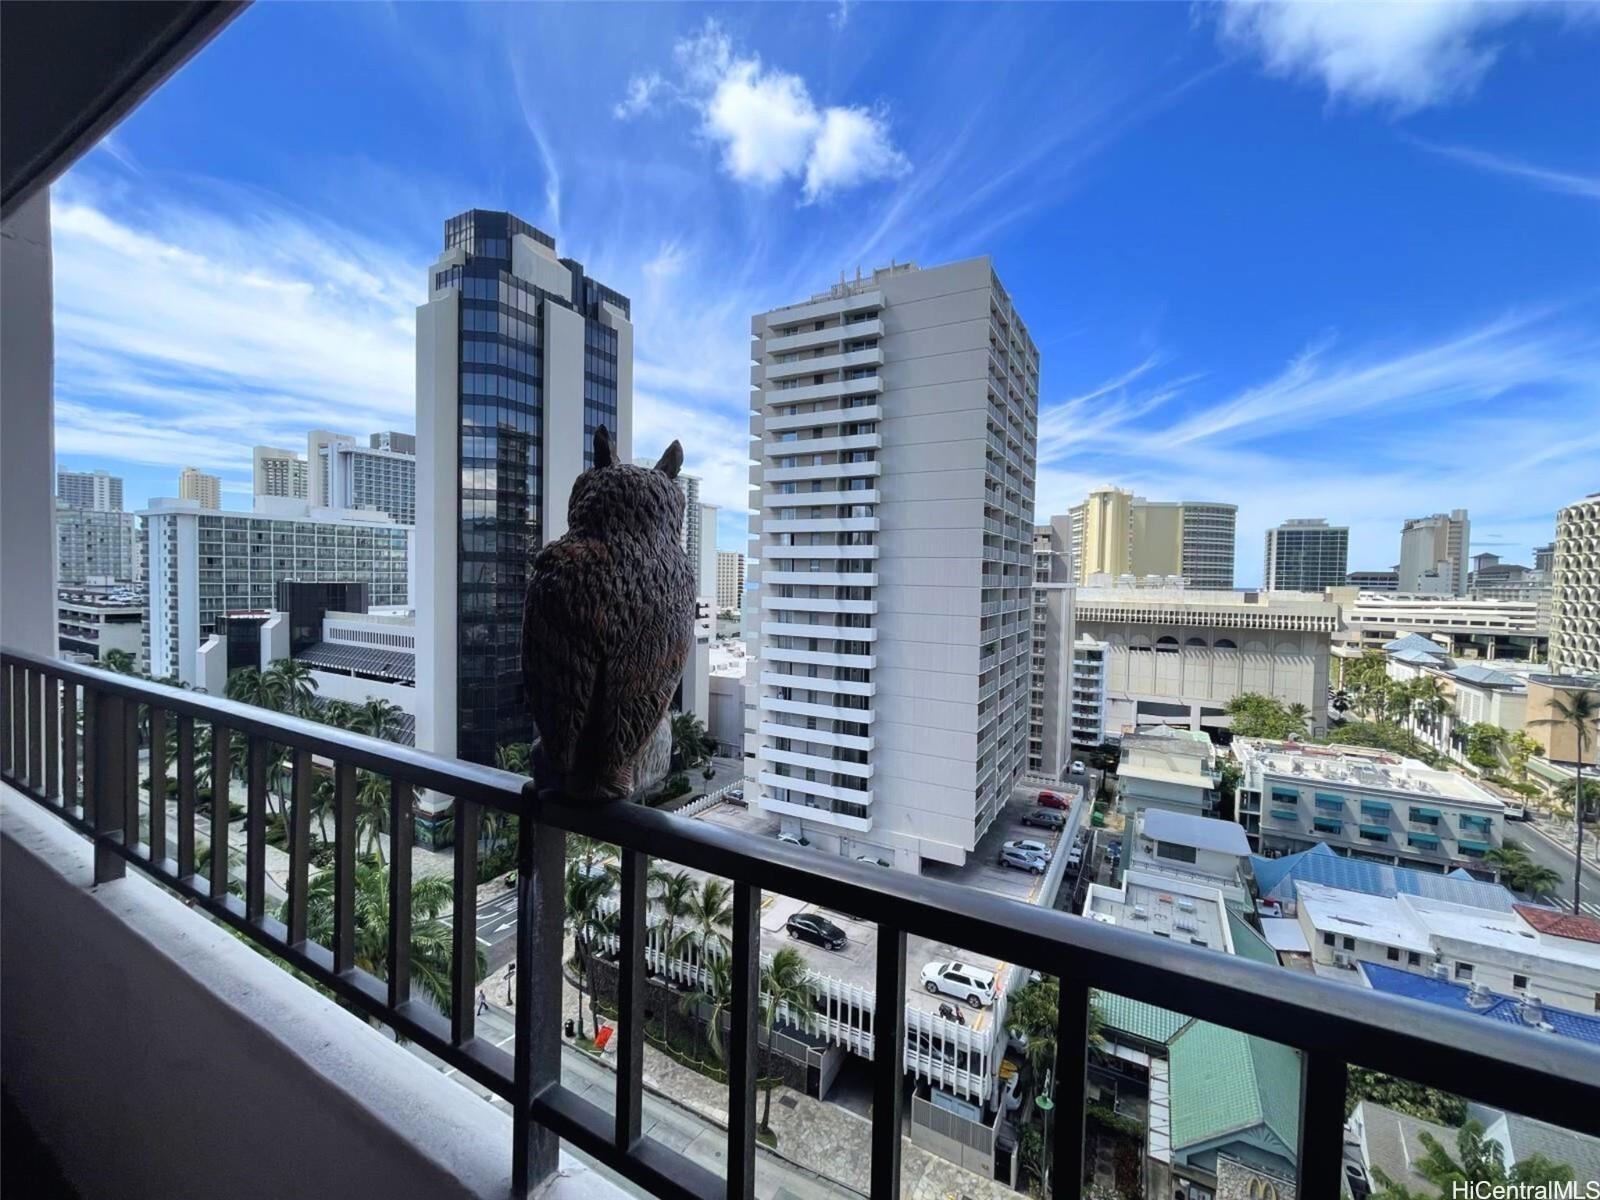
(1395, 982)
(1276, 879)
(1415, 641)
(1487, 676)
(1418, 657)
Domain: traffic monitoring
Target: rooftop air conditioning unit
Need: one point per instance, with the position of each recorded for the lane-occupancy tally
(1186, 904)
(1341, 959)
(1139, 913)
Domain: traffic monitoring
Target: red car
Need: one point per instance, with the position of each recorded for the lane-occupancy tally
(1051, 800)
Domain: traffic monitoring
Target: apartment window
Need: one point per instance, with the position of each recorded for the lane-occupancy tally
(1175, 852)
(1413, 959)
(1327, 939)
(1394, 954)
(1349, 943)
(1519, 982)
(1463, 970)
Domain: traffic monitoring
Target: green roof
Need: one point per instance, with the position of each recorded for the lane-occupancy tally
(1247, 943)
(1224, 1081)
(1138, 1019)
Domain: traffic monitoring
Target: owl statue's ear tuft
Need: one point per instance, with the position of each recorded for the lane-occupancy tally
(671, 460)
(602, 447)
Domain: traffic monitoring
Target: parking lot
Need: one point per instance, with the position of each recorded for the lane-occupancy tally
(855, 963)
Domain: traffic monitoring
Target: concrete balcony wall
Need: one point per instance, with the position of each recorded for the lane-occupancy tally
(157, 1055)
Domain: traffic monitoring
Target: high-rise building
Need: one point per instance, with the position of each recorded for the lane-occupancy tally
(1374, 581)
(520, 357)
(1491, 579)
(380, 478)
(730, 580)
(1544, 557)
(205, 490)
(1306, 555)
(389, 439)
(896, 418)
(1115, 533)
(1089, 690)
(278, 472)
(1575, 588)
(95, 546)
(202, 564)
(1433, 554)
(1050, 661)
(90, 489)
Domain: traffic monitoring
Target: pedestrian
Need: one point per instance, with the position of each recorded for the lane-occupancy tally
(483, 1001)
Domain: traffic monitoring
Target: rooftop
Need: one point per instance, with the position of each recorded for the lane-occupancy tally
(1559, 924)
(1165, 907)
(1203, 833)
(1495, 1007)
(1372, 918)
(1416, 642)
(1276, 879)
(1224, 1081)
(1363, 768)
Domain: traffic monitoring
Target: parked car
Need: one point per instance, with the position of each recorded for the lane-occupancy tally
(936, 1052)
(794, 839)
(1030, 846)
(1022, 860)
(1052, 800)
(867, 858)
(1010, 1085)
(1044, 818)
(971, 984)
(816, 929)
(1075, 858)
(1077, 766)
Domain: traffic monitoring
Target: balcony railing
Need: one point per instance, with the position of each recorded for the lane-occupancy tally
(1333, 1025)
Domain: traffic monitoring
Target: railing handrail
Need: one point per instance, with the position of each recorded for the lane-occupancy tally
(454, 777)
(1333, 1024)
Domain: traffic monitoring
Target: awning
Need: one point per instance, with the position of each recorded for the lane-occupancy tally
(1425, 814)
(1330, 802)
(1473, 847)
(1376, 807)
(1375, 831)
(1325, 825)
(1429, 840)
(1286, 814)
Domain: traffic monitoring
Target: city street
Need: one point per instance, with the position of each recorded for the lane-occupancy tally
(497, 928)
(1545, 850)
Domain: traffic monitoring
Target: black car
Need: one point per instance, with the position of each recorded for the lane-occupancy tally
(809, 927)
(1044, 818)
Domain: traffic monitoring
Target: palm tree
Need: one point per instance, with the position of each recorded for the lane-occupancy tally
(377, 718)
(372, 811)
(710, 917)
(514, 757)
(673, 892)
(688, 741)
(1300, 715)
(322, 801)
(119, 661)
(1430, 699)
(291, 682)
(1478, 1160)
(1581, 713)
(785, 989)
(431, 895)
(714, 994)
(341, 714)
(245, 686)
(581, 895)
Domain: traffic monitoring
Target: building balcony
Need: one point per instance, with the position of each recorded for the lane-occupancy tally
(816, 762)
(821, 658)
(829, 712)
(836, 389)
(791, 499)
(845, 687)
(773, 525)
(811, 338)
(818, 812)
(822, 310)
(862, 579)
(825, 364)
(819, 737)
(196, 1014)
(838, 633)
(823, 445)
(841, 470)
(777, 550)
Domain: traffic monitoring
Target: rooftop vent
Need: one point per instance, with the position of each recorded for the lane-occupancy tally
(1478, 996)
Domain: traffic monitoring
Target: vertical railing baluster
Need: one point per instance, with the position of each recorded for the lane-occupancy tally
(888, 1062)
(52, 739)
(35, 695)
(1322, 1095)
(158, 784)
(186, 767)
(742, 1041)
(255, 828)
(399, 892)
(464, 926)
(299, 847)
(130, 759)
(630, 997)
(344, 867)
(221, 787)
(7, 714)
(1072, 1081)
(536, 1058)
(109, 749)
(71, 793)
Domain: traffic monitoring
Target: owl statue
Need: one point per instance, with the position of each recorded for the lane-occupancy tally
(608, 624)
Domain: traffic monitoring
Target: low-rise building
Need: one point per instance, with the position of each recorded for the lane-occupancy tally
(93, 623)
(1465, 997)
(1050, 662)
(1212, 852)
(1383, 1146)
(1168, 769)
(1176, 656)
(1366, 803)
(1530, 952)
(1278, 879)
(1467, 628)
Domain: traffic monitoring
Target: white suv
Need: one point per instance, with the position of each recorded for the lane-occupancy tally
(972, 984)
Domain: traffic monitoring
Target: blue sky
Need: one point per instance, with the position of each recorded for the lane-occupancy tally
(1315, 260)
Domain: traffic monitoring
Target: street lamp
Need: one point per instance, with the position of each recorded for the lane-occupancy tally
(1045, 1105)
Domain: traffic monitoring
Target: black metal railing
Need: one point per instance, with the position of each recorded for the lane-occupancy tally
(91, 781)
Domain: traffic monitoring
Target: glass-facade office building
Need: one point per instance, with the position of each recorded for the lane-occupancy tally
(538, 349)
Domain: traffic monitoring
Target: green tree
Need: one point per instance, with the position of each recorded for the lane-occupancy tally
(674, 891)
(1032, 1013)
(515, 757)
(1579, 712)
(785, 991)
(431, 896)
(1430, 700)
(1403, 1095)
(378, 718)
(690, 744)
(119, 661)
(1255, 715)
(289, 682)
(245, 686)
(1520, 872)
(713, 994)
(1483, 745)
(341, 714)
(372, 811)
(1477, 1160)
(582, 893)
(709, 918)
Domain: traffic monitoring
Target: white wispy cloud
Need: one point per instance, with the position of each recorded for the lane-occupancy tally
(1401, 56)
(1566, 182)
(765, 121)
